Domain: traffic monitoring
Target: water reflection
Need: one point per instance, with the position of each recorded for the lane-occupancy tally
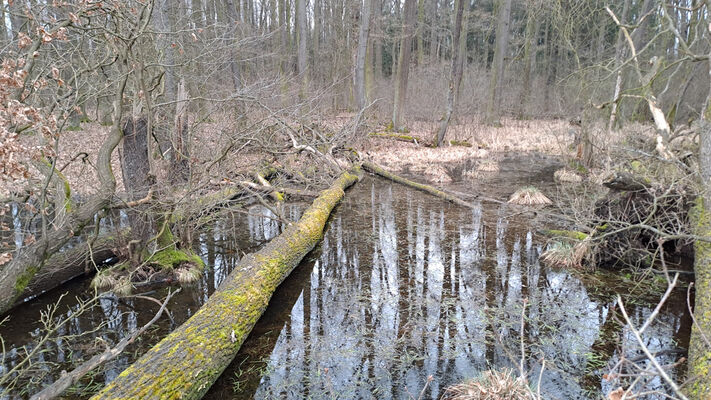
(403, 288)
(84, 334)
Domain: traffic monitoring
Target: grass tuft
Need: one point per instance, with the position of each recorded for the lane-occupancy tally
(491, 385)
(529, 196)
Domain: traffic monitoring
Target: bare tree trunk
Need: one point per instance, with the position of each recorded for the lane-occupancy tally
(493, 110)
(3, 24)
(163, 26)
(403, 63)
(455, 75)
(420, 32)
(137, 180)
(619, 55)
(302, 40)
(317, 4)
(529, 58)
(17, 19)
(180, 162)
(232, 18)
(433, 30)
(361, 52)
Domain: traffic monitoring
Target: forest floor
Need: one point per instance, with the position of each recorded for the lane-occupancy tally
(551, 138)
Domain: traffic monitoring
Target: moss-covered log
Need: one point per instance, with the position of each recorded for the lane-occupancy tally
(699, 349)
(378, 170)
(395, 136)
(186, 363)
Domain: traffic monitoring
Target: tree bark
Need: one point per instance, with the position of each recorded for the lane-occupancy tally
(361, 52)
(493, 111)
(700, 343)
(529, 58)
(180, 162)
(455, 76)
(619, 54)
(188, 361)
(302, 41)
(403, 63)
(137, 179)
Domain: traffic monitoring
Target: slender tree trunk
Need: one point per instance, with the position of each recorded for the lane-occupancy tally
(235, 73)
(619, 55)
(180, 162)
(17, 19)
(3, 24)
(420, 32)
(302, 41)
(529, 59)
(361, 52)
(403, 63)
(316, 36)
(377, 40)
(455, 75)
(433, 30)
(163, 26)
(493, 111)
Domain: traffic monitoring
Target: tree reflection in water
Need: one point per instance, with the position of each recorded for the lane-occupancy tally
(403, 288)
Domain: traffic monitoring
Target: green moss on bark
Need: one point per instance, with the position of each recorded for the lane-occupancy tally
(699, 353)
(185, 363)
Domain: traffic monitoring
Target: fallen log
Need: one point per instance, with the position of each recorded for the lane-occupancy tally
(378, 170)
(188, 361)
(396, 136)
(67, 265)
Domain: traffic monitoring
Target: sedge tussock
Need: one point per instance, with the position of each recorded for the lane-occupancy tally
(566, 175)
(529, 196)
(491, 385)
(186, 276)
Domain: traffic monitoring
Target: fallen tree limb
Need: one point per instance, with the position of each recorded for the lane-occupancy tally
(65, 381)
(378, 170)
(187, 362)
(67, 265)
(396, 136)
(286, 190)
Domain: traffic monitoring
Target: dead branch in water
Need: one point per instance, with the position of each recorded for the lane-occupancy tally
(55, 389)
(378, 170)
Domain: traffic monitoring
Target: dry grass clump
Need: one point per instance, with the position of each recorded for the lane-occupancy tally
(488, 166)
(529, 196)
(491, 385)
(567, 255)
(189, 275)
(566, 175)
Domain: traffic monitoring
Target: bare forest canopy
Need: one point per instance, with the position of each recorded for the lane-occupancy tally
(126, 126)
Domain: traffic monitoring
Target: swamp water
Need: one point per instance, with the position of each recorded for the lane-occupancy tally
(403, 287)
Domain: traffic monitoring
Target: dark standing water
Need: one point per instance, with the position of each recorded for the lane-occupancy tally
(402, 287)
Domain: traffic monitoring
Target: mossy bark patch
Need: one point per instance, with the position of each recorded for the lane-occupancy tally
(699, 351)
(186, 363)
